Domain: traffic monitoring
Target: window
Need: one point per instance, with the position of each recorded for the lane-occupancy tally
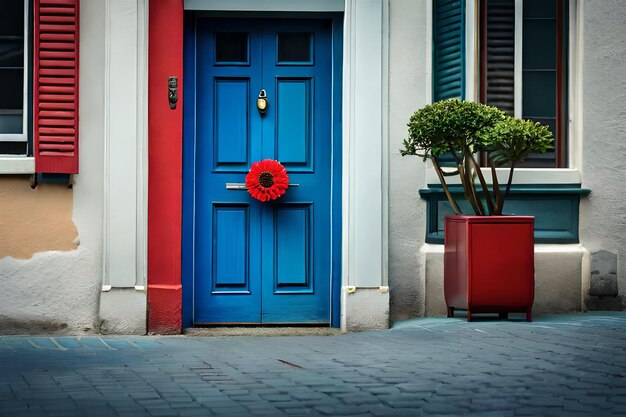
(231, 48)
(294, 48)
(521, 62)
(14, 77)
(523, 66)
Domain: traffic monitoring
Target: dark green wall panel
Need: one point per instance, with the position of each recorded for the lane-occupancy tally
(555, 207)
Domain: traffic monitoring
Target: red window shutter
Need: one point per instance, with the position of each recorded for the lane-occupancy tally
(56, 86)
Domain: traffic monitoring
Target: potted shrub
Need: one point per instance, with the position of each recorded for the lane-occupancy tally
(488, 258)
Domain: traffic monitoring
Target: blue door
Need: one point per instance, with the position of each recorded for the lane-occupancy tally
(262, 262)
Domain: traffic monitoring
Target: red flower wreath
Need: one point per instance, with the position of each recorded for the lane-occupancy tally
(267, 180)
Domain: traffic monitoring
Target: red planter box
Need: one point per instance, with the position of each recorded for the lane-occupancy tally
(489, 264)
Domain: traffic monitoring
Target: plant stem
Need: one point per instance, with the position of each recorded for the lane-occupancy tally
(469, 191)
(451, 199)
(483, 185)
(470, 178)
(508, 184)
(497, 210)
(472, 182)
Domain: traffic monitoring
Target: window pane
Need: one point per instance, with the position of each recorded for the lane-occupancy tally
(294, 47)
(540, 9)
(10, 123)
(11, 53)
(12, 18)
(11, 67)
(542, 66)
(539, 44)
(231, 47)
(539, 94)
(12, 89)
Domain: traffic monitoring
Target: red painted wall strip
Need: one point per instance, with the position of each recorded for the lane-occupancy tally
(165, 138)
(55, 86)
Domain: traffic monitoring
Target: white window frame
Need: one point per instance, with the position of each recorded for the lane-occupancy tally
(22, 137)
(518, 68)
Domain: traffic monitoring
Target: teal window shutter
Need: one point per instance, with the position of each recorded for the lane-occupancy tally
(448, 49)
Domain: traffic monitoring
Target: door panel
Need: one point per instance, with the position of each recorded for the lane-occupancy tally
(293, 122)
(263, 262)
(292, 240)
(231, 241)
(227, 258)
(231, 133)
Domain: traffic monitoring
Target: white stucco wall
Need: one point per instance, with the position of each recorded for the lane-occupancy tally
(603, 218)
(409, 89)
(59, 291)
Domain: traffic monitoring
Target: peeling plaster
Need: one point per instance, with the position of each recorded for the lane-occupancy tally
(35, 220)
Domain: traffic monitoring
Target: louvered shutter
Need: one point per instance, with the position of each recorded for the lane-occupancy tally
(56, 86)
(448, 49)
(500, 55)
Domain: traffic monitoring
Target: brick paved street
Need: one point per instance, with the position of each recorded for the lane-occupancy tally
(556, 366)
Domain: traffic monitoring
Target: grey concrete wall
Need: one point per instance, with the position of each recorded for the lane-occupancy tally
(59, 291)
(408, 91)
(603, 218)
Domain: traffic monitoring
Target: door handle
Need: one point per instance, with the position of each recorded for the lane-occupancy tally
(261, 102)
(242, 185)
(236, 186)
(172, 91)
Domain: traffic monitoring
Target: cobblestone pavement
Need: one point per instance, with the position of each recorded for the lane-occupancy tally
(556, 366)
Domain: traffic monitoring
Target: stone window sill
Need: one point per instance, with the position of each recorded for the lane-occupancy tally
(520, 176)
(17, 165)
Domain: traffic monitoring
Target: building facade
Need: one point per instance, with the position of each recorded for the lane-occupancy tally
(128, 128)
